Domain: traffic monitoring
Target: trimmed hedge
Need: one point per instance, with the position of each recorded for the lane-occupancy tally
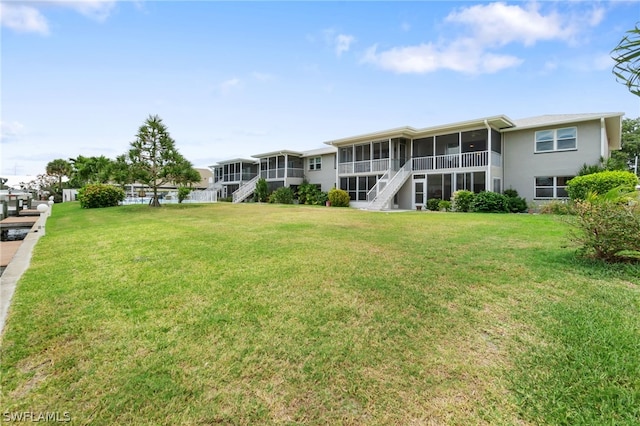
(282, 195)
(98, 195)
(338, 198)
(601, 183)
(489, 202)
(461, 200)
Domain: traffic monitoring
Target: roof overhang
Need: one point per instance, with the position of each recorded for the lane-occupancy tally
(281, 152)
(497, 122)
(320, 151)
(613, 126)
(235, 160)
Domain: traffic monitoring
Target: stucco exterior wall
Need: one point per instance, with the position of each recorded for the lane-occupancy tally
(326, 176)
(522, 164)
(405, 195)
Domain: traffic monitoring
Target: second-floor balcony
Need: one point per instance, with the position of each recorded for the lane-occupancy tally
(281, 172)
(237, 177)
(464, 160)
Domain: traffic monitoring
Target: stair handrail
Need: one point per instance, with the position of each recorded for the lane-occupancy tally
(399, 176)
(243, 192)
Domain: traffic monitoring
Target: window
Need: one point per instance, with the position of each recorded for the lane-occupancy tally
(551, 186)
(556, 140)
(315, 163)
(358, 187)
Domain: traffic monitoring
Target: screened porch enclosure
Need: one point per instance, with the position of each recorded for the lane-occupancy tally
(281, 167)
(442, 185)
(457, 150)
(373, 157)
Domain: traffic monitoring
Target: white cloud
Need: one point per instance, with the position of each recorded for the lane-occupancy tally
(28, 17)
(340, 43)
(24, 19)
(10, 130)
(343, 43)
(500, 24)
(488, 27)
(260, 76)
(229, 85)
(94, 9)
(461, 57)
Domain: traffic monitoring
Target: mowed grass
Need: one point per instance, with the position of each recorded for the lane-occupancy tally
(270, 314)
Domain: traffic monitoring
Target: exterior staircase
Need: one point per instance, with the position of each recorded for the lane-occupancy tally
(387, 186)
(245, 190)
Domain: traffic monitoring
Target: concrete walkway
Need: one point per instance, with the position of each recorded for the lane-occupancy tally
(17, 265)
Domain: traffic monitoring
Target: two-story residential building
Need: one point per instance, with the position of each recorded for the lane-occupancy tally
(402, 168)
(284, 168)
(229, 175)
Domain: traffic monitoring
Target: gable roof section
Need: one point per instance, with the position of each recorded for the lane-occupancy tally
(320, 151)
(280, 152)
(558, 119)
(612, 122)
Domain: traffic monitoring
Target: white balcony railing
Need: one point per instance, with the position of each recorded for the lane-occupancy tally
(452, 161)
(437, 162)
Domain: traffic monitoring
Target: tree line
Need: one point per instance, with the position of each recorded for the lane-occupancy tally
(152, 160)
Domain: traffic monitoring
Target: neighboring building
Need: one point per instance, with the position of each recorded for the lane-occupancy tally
(230, 175)
(404, 167)
(238, 177)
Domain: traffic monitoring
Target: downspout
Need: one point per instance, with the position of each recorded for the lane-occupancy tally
(603, 139)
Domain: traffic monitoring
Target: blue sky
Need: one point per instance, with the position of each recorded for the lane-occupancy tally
(234, 79)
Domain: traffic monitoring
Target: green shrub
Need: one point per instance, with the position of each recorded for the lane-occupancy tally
(433, 204)
(226, 199)
(510, 193)
(600, 183)
(100, 195)
(515, 204)
(322, 198)
(338, 198)
(558, 207)
(183, 192)
(283, 195)
(609, 225)
(261, 193)
(461, 200)
(489, 202)
(444, 205)
(309, 193)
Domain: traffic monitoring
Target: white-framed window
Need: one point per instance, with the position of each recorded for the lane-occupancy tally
(556, 139)
(551, 186)
(315, 163)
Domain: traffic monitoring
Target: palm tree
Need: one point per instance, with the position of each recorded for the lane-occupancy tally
(627, 57)
(59, 168)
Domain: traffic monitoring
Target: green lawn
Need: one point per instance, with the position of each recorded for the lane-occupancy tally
(271, 314)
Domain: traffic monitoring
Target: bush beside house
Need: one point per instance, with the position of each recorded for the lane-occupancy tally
(100, 195)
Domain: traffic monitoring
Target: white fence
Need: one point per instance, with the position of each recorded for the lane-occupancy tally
(172, 198)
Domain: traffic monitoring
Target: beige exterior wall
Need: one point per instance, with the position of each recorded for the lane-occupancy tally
(326, 176)
(522, 164)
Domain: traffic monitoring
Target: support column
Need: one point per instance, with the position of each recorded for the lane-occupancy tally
(489, 178)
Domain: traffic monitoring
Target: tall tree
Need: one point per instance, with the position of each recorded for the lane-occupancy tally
(627, 57)
(91, 170)
(154, 157)
(59, 168)
(630, 151)
(121, 171)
